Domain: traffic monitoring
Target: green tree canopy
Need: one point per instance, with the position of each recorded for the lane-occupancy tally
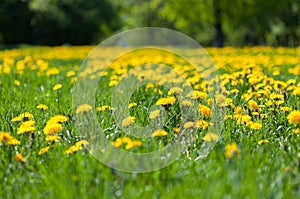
(211, 22)
(55, 22)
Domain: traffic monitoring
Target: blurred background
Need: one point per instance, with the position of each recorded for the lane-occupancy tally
(211, 22)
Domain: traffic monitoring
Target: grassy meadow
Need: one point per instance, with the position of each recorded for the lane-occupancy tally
(256, 154)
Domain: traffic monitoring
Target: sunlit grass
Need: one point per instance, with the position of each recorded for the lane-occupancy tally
(256, 154)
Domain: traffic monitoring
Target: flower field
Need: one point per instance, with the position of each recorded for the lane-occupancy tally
(254, 95)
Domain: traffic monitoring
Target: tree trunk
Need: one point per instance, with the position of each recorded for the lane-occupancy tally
(219, 37)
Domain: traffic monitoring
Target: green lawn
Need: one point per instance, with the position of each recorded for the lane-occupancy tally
(258, 97)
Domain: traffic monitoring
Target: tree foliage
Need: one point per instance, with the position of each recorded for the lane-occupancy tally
(243, 22)
(55, 22)
(211, 22)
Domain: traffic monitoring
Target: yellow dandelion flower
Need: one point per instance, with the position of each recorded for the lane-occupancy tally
(70, 73)
(126, 139)
(294, 117)
(209, 101)
(176, 130)
(93, 76)
(260, 93)
(279, 102)
(52, 128)
(76, 147)
(17, 82)
(279, 85)
(175, 90)
(231, 150)
(114, 77)
(43, 150)
(128, 121)
(154, 114)
(276, 72)
(52, 138)
(204, 110)
(263, 116)
(253, 105)
(261, 106)
(132, 144)
(104, 107)
(201, 124)
(72, 149)
(195, 94)
(210, 137)
(28, 123)
(82, 142)
(238, 110)
(269, 103)
(22, 117)
(149, 85)
(268, 80)
(285, 109)
(73, 79)
(262, 141)
(19, 157)
(6, 138)
(26, 127)
(132, 105)
(186, 103)
(296, 131)
(166, 101)
(234, 90)
(158, 91)
(83, 108)
(255, 113)
(228, 102)
(102, 73)
(256, 125)
(291, 88)
(113, 83)
(249, 123)
(52, 71)
(159, 132)
(277, 97)
(222, 100)
(57, 119)
(243, 119)
(15, 119)
(188, 125)
(118, 143)
(228, 116)
(296, 91)
(43, 107)
(57, 87)
(247, 96)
